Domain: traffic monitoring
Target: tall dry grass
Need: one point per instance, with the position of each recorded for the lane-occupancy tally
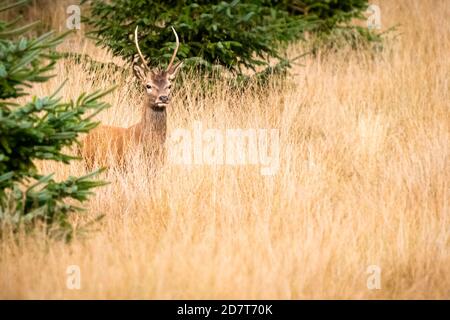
(363, 180)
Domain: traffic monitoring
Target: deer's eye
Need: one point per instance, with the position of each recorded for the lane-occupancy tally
(169, 86)
(148, 86)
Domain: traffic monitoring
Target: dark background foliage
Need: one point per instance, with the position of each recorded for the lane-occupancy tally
(233, 34)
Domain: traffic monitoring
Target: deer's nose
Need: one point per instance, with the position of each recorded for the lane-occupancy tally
(164, 98)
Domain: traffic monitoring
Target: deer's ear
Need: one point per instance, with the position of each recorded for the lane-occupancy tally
(139, 72)
(174, 70)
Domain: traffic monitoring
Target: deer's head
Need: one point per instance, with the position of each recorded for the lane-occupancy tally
(157, 83)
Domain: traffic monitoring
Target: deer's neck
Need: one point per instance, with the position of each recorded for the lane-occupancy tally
(153, 124)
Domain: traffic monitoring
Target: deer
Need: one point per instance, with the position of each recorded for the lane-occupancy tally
(109, 145)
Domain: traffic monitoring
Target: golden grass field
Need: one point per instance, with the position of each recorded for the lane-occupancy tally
(363, 180)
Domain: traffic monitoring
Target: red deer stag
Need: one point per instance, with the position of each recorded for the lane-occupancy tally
(108, 145)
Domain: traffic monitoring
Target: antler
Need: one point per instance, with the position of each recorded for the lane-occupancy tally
(176, 50)
(139, 50)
